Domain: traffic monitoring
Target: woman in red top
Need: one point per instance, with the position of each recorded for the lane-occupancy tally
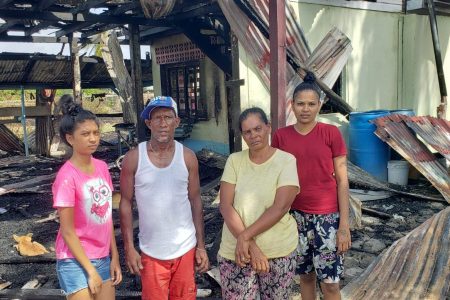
(322, 207)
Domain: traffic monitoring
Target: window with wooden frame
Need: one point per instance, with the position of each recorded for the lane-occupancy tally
(182, 83)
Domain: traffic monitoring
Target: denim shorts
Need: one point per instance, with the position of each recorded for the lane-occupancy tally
(73, 278)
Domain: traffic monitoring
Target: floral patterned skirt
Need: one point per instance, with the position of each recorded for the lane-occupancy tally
(244, 283)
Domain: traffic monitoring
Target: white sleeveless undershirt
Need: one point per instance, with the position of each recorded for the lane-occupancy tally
(166, 228)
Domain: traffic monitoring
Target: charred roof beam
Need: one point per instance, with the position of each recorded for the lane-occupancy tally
(122, 9)
(87, 5)
(4, 3)
(99, 29)
(38, 27)
(194, 11)
(8, 26)
(117, 11)
(80, 17)
(32, 39)
(214, 52)
(72, 28)
(45, 4)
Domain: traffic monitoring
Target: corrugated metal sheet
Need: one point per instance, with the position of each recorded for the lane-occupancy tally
(435, 132)
(40, 70)
(393, 130)
(416, 266)
(9, 142)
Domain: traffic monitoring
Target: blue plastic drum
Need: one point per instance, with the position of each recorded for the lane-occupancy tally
(367, 151)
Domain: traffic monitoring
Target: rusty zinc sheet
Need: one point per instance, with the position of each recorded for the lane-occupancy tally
(402, 139)
(9, 142)
(435, 132)
(416, 266)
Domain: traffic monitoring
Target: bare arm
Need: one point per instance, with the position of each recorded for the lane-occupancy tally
(197, 209)
(229, 214)
(116, 273)
(236, 226)
(67, 229)
(129, 166)
(343, 234)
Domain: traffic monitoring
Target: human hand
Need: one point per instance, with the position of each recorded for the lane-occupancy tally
(343, 240)
(133, 260)
(201, 260)
(95, 282)
(116, 272)
(258, 260)
(242, 253)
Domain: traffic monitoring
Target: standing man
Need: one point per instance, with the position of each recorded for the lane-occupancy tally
(163, 175)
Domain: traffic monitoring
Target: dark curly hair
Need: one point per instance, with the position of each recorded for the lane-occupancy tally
(73, 114)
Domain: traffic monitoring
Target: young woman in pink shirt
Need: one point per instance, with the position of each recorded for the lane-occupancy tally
(87, 259)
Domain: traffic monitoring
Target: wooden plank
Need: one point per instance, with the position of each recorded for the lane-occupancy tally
(136, 76)
(30, 111)
(234, 109)
(4, 285)
(35, 283)
(278, 81)
(75, 69)
(113, 58)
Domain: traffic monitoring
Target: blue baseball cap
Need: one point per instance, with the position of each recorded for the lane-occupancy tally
(159, 101)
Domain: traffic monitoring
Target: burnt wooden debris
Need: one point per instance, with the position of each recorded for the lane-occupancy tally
(361, 178)
(20, 174)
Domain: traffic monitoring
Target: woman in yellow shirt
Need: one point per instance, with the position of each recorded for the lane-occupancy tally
(257, 254)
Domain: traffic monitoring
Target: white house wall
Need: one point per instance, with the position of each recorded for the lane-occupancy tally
(420, 81)
(391, 66)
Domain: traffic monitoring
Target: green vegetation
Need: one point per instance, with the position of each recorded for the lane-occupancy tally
(11, 95)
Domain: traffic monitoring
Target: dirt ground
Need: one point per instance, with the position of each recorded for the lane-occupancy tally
(23, 210)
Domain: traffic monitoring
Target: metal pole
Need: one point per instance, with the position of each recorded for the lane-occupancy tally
(23, 120)
(441, 110)
(277, 33)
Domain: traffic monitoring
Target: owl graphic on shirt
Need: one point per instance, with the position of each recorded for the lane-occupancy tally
(98, 199)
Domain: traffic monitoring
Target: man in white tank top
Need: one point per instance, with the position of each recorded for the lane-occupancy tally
(163, 175)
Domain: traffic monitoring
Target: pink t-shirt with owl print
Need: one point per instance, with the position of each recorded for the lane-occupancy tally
(91, 198)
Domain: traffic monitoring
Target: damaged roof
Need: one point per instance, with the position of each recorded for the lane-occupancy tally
(55, 71)
(393, 130)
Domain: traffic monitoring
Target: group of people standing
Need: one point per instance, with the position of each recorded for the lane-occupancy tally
(284, 204)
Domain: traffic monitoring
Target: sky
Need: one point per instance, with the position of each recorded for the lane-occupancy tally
(54, 48)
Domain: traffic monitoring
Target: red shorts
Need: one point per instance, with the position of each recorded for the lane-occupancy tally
(168, 279)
